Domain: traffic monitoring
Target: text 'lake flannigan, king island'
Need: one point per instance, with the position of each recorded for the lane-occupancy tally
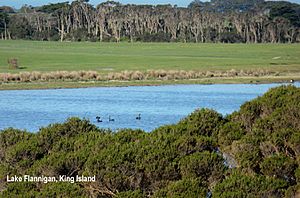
(47, 179)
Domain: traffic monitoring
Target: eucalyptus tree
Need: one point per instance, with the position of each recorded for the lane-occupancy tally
(111, 21)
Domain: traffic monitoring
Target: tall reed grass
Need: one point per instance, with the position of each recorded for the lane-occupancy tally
(126, 75)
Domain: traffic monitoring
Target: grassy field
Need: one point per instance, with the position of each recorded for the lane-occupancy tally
(107, 57)
(282, 59)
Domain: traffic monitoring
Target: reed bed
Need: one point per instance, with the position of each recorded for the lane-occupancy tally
(127, 75)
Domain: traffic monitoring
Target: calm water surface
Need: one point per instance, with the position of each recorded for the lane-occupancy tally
(158, 105)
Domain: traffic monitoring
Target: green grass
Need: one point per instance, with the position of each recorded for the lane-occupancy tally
(107, 57)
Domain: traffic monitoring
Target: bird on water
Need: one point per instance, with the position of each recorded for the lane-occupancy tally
(98, 118)
(110, 119)
(138, 117)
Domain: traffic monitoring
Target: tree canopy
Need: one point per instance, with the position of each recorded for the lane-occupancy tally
(226, 21)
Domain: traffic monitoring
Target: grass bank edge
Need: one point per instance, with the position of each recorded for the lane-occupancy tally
(87, 84)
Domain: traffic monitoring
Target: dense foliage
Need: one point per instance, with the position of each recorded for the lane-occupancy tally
(227, 21)
(253, 152)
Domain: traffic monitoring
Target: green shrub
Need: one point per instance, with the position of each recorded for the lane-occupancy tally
(230, 132)
(186, 188)
(241, 185)
(202, 165)
(279, 166)
(202, 122)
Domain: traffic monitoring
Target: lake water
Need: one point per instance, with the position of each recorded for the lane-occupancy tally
(158, 105)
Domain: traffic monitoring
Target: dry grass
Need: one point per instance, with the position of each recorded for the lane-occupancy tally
(13, 63)
(127, 75)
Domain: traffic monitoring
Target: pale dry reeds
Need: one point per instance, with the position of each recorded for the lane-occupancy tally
(126, 75)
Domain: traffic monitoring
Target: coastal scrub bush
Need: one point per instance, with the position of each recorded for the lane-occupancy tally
(279, 166)
(202, 165)
(188, 188)
(242, 185)
(202, 122)
(230, 132)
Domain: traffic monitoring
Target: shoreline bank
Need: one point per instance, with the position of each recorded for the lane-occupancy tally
(118, 83)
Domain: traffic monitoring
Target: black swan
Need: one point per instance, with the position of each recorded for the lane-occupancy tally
(110, 119)
(138, 117)
(98, 118)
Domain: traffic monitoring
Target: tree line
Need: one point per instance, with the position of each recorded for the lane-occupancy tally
(246, 21)
(253, 152)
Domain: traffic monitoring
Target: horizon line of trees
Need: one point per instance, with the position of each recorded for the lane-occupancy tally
(258, 22)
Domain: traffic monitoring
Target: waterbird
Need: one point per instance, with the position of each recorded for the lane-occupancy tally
(292, 81)
(98, 118)
(110, 119)
(138, 117)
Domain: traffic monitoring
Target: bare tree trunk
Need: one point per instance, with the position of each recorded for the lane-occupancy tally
(68, 22)
(130, 35)
(8, 33)
(101, 34)
(96, 30)
(39, 27)
(195, 32)
(62, 32)
(62, 29)
(86, 14)
(5, 31)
